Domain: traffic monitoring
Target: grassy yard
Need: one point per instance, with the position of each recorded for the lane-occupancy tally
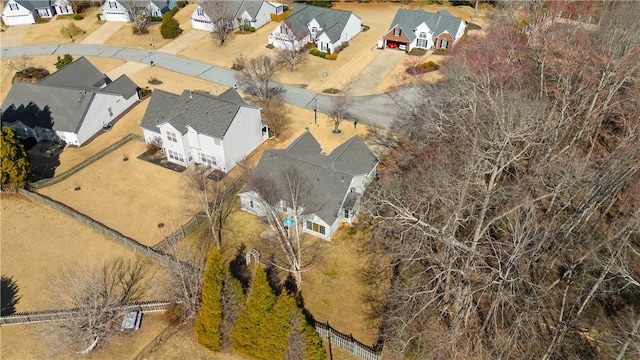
(49, 33)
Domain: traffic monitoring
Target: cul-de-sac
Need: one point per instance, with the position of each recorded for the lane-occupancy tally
(247, 179)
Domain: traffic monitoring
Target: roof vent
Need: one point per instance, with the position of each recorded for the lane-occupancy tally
(190, 94)
(353, 189)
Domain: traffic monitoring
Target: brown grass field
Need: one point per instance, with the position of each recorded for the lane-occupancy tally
(49, 33)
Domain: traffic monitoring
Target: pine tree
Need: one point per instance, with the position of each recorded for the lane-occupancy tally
(15, 165)
(275, 329)
(246, 330)
(207, 327)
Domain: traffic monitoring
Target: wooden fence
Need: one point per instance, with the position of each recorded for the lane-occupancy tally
(63, 314)
(347, 342)
(100, 227)
(56, 179)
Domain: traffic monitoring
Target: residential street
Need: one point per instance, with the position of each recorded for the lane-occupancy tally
(376, 110)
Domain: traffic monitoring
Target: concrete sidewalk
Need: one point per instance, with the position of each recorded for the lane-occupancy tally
(127, 68)
(103, 32)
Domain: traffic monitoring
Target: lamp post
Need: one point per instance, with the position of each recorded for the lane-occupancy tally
(315, 112)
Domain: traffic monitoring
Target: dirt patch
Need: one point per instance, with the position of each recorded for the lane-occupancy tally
(27, 342)
(49, 33)
(37, 241)
(130, 196)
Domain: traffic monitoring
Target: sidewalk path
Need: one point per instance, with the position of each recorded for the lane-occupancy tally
(377, 110)
(183, 41)
(102, 33)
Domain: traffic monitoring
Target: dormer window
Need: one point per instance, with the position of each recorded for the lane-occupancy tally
(396, 31)
(112, 5)
(423, 35)
(200, 12)
(314, 30)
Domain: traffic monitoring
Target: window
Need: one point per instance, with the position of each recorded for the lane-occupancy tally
(422, 41)
(346, 213)
(314, 30)
(444, 44)
(283, 205)
(200, 12)
(396, 31)
(208, 160)
(190, 157)
(316, 227)
(13, 6)
(175, 156)
(172, 136)
(112, 5)
(110, 112)
(251, 203)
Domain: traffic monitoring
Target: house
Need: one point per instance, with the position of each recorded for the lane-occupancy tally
(21, 12)
(157, 8)
(239, 13)
(328, 28)
(62, 7)
(333, 183)
(112, 10)
(218, 131)
(70, 105)
(420, 29)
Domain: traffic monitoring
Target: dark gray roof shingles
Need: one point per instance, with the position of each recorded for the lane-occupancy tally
(332, 21)
(207, 114)
(327, 177)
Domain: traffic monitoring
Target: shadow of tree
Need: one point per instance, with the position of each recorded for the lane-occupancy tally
(9, 295)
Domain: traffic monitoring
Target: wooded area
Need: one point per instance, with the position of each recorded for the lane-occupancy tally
(507, 217)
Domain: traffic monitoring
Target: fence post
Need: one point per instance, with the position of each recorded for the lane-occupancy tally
(329, 329)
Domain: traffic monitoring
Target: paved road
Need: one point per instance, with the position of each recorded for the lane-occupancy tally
(377, 110)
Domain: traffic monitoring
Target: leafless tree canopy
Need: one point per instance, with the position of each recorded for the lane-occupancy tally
(276, 115)
(216, 198)
(507, 219)
(283, 196)
(97, 293)
(340, 110)
(258, 78)
(221, 13)
(137, 13)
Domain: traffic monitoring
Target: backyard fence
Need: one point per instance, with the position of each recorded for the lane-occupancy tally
(100, 227)
(56, 179)
(347, 342)
(179, 234)
(63, 314)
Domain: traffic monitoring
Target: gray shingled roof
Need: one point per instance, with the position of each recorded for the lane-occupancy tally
(80, 74)
(62, 98)
(32, 4)
(165, 5)
(438, 23)
(205, 113)
(328, 177)
(251, 7)
(332, 21)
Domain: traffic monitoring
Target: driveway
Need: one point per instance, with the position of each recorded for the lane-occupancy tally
(376, 71)
(183, 41)
(14, 35)
(103, 33)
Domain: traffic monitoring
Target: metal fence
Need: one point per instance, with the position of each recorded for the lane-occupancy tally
(63, 314)
(347, 342)
(100, 227)
(56, 179)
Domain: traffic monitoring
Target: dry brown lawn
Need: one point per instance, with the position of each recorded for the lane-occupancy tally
(23, 342)
(38, 241)
(248, 45)
(131, 196)
(49, 33)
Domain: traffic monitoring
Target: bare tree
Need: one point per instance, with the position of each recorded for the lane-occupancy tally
(340, 110)
(292, 55)
(97, 294)
(22, 63)
(282, 199)
(276, 114)
(221, 13)
(216, 198)
(138, 15)
(258, 78)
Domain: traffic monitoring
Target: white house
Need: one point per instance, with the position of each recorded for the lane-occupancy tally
(112, 10)
(21, 12)
(195, 127)
(237, 12)
(327, 28)
(420, 29)
(332, 184)
(157, 8)
(62, 7)
(71, 105)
